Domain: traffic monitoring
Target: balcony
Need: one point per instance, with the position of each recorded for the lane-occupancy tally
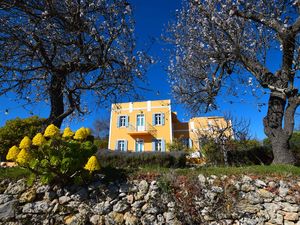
(148, 129)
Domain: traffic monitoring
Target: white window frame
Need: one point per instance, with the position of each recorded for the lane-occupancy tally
(141, 141)
(120, 146)
(158, 115)
(122, 121)
(158, 145)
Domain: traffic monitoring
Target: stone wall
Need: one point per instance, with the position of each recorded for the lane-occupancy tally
(215, 200)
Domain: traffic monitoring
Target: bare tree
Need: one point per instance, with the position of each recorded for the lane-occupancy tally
(101, 127)
(59, 51)
(231, 128)
(222, 41)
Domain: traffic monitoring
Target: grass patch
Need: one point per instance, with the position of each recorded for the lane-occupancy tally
(13, 173)
(272, 170)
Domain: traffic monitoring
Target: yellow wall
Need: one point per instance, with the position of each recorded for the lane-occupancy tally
(171, 128)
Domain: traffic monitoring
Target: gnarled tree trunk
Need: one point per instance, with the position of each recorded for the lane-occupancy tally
(279, 124)
(56, 100)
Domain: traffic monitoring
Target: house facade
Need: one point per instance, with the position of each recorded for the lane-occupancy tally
(151, 125)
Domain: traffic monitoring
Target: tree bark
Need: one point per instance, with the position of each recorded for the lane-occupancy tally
(56, 100)
(279, 137)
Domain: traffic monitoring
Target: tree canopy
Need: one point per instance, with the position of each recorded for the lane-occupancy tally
(59, 51)
(220, 44)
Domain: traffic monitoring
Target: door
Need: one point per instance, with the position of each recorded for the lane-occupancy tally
(140, 122)
(139, 145)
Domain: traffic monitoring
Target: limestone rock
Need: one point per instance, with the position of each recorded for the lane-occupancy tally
(28, 196)
(8, 210)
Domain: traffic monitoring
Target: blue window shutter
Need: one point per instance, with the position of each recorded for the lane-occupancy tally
(118, 121)
(126, 121)
(163, 119)
(190, 143)
(125, 145)
(153, 119)
(153, 145)
(163, 146)
(116, 145)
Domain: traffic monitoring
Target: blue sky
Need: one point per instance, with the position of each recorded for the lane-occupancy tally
(151, 19)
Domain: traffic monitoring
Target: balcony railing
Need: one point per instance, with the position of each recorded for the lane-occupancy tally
(147, 129)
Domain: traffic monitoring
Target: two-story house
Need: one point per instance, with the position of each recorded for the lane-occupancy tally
(150, 125)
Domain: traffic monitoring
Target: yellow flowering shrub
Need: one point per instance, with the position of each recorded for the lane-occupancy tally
(25, 143)
(51, 131)
(68, 133)
(23, 157)
(12, 153)
(92, 164)
(82, 133)
(38, 139)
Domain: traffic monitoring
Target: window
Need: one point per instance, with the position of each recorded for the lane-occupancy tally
(158, 145)
(122, 121)
(121, 145)
(158, 119)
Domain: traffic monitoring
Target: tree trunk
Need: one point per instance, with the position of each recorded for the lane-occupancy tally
(273, 124)
(56, 100)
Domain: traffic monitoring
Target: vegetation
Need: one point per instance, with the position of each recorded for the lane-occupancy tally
(14, 131)
(119, 159)
(55, 157)
(14, 173)
(221, 45)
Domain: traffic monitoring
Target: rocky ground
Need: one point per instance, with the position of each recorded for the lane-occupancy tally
(210, 200)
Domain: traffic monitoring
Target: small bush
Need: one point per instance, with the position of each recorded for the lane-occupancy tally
(14, 131)
(60, 158)
(254, 156)
(138, 159)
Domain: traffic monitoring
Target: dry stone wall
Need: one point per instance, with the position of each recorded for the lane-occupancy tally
(219, 200)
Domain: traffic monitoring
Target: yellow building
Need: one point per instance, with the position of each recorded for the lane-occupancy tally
(151, 125)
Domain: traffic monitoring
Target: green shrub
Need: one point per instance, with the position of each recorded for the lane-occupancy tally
(139, 159)
(14, 130)
(101, 143)
(54, 158)
(177, 145)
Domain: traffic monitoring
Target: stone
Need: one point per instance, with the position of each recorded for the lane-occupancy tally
(42, 189)
(80, 195)
(283, 191)
(138, 204)
(148, 219)
(246, 179)
(16, 188)
(171, 204)
(272, 184)
(169, 216)
(291, 216)
(95, 219)
(50, 195)
(253, 198)
(288, 223)
(246, 187)
(121, 206)
(216, 189)
(28, 196)
(124, 187)
(143, 187)
(259, 183)
(130, 219)
(289, 207)
(8, 210)
(102, 207)
(150, 209)
(36, 207)
(64, 199)
(264, 193)
(130, 199)
(201, 179)
(5, 198)
(117, 218)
